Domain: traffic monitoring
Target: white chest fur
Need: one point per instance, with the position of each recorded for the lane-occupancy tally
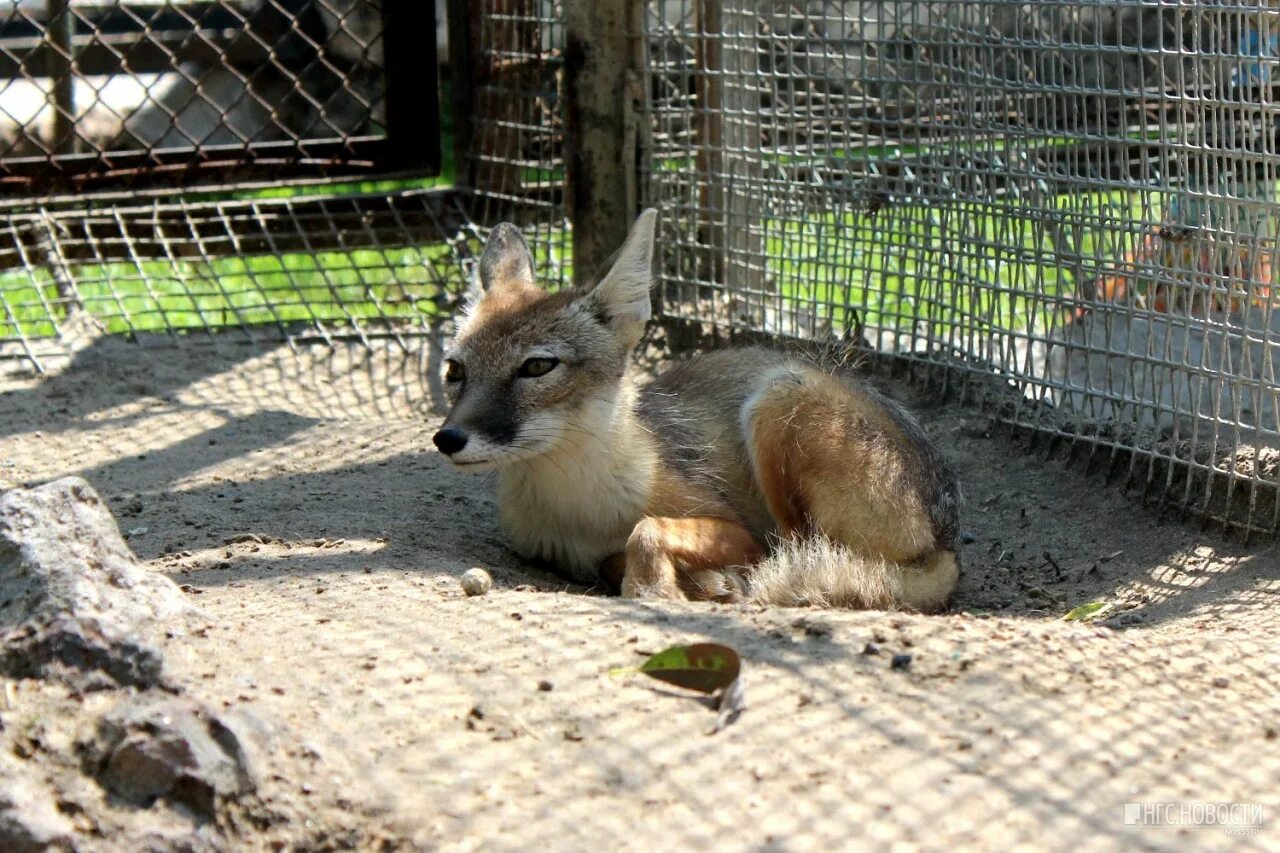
(576, 506)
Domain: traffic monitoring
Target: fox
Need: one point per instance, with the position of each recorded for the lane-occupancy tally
(744, 474)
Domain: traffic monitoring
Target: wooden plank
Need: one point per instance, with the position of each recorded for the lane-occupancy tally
(266, 160)
(413, 96)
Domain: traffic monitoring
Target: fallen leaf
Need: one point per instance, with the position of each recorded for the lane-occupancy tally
(705, 667)
(1086, 612)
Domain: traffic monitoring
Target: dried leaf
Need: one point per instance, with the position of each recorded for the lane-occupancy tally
(705, 667)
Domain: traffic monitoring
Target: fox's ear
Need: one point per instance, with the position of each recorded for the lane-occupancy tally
(623, 294)
(506, 261)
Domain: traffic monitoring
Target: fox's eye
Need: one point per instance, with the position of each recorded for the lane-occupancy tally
(535, 367)
(453, 371)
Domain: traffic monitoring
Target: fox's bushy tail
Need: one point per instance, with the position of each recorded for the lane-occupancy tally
(813, 571)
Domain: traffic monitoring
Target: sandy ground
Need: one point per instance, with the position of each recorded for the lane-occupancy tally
(296, 498)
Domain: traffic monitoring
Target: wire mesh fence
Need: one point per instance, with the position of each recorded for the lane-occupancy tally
(322, 265)
(1068, 208)
(313, 254)
(1071, 207)
(509, 122)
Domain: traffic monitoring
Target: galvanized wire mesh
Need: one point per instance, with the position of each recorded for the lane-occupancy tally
(324, 264)
(1071, 207)
(511, 159)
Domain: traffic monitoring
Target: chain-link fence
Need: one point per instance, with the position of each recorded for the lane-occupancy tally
(288, 167)
(138, 90)
(1069, 206)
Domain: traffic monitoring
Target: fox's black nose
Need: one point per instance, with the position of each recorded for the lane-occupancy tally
(450, 440)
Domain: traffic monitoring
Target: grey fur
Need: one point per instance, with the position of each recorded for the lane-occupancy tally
(506, 258)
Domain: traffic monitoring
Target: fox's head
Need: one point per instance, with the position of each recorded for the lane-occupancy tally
(530, 370)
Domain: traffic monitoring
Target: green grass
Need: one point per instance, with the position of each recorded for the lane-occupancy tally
(946, 263)
(164, 296)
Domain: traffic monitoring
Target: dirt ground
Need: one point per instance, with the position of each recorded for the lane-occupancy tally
(296, 498)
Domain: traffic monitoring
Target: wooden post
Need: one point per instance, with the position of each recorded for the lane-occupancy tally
(598, 55)
(60, 28)
(412, 100)
(463, 59)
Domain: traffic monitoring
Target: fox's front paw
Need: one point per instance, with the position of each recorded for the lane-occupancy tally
(652, 591)
(725, 586)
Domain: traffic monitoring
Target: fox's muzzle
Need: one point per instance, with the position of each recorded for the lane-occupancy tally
(450, 440)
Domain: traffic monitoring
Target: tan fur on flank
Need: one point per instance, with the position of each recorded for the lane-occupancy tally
(740, 474)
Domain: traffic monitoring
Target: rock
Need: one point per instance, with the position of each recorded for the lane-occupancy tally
(75, 603)
(29, 820)
(476, 582)
(498, 725)
(152, 747)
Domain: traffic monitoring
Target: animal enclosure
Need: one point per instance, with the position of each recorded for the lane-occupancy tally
(1067, 212)
(235, 232)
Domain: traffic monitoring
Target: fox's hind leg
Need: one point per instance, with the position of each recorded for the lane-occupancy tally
(679, 558)
(830, 460)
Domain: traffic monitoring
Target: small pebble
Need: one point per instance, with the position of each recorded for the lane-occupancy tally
(871, 649)
(1220, 682)
(544, 686)
(900, 662)
(476, 582)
